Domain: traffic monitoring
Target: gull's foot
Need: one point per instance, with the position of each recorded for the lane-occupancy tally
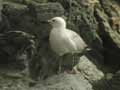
(75, 70)
(70, 72)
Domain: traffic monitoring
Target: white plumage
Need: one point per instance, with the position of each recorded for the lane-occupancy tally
(63, 40)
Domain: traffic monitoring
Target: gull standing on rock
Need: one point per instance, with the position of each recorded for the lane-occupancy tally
(63, 40)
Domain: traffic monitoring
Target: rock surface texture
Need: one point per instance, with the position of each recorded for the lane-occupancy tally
(96, 21)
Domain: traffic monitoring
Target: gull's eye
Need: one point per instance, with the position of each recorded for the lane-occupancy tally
(53, 20)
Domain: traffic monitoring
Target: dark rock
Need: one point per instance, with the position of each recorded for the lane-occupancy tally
(46, 11)
(112, 83)
(115, 81)
(17, 49)
(109, 36)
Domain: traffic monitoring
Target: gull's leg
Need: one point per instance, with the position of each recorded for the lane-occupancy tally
(73, 64)
(60, 64)
(73, 60)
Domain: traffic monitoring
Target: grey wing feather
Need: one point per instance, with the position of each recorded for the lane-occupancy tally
(79, 42)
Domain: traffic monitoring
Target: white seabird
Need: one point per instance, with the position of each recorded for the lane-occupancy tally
(63, 40)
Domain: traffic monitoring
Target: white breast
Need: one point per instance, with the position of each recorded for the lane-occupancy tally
(61, 43)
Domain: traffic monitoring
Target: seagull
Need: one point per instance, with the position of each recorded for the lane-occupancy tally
(64, 41)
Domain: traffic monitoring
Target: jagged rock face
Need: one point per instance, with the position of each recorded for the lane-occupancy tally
(16, 49)
(97, 21)
(89, 70)
(68, 82)
(109, 30)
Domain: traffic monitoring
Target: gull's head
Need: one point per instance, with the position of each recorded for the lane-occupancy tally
(57, 22)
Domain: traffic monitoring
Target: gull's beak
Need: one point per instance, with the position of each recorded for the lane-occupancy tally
(44, 22)
(49, 21)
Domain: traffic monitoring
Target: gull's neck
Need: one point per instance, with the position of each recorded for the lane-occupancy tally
(59, 27)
